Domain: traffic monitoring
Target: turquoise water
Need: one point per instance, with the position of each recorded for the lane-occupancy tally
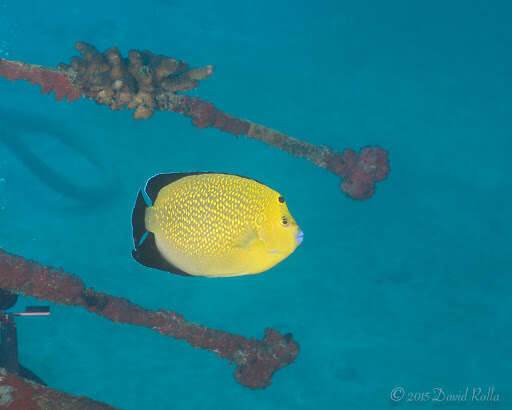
(408, 289)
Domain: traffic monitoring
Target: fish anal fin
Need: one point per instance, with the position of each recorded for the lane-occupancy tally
(147, 254)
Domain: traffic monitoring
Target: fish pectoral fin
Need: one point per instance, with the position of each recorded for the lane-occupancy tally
(247, 240)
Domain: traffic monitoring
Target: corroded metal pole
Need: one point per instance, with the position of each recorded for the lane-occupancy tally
(256, 360)
(17, 393)
(146, 83)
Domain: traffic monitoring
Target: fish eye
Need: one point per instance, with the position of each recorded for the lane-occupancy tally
(284, 221)
(281, 199)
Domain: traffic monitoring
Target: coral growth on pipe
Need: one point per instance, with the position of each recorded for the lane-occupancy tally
(256, 360)
(136, 82)
(147, 82)
(17, 393)
(359, 172)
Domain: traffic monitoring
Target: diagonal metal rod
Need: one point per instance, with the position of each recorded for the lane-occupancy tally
(256, 360)
(146, 83)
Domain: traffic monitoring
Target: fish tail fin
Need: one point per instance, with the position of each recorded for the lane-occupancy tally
(138, 220)
(145, 249)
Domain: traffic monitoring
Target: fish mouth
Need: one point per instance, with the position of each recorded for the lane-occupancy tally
(299, 236)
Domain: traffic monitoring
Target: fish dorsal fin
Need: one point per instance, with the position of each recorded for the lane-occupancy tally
(157, 182)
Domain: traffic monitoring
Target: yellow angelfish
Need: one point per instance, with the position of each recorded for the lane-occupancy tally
(212, 224)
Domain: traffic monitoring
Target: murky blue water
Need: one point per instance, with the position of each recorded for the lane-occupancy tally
(409, 289)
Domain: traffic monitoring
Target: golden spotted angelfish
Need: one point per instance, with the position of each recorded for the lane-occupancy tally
(212, 224)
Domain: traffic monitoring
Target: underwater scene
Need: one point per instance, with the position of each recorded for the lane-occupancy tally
(255, 204)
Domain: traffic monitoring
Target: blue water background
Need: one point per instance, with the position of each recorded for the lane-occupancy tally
(410, 288)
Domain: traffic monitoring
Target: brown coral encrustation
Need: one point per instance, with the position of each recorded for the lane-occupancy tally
(135, 82)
